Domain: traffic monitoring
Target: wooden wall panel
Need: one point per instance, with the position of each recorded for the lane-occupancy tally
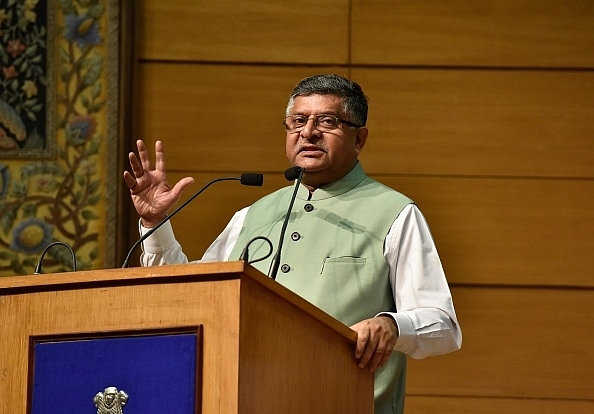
(497, 33)
(463, 122)
(494, 231)
(517, 343)
(217, 117)
(483, 405)
(245, 31)
(451, 122)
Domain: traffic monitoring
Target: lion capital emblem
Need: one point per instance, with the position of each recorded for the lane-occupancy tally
(110, 401)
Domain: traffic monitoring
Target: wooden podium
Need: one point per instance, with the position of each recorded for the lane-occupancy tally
(263, 348)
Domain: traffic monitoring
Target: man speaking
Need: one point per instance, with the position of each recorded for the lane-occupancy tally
(358, 250)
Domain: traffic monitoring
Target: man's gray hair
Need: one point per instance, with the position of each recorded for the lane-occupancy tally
(354, 101)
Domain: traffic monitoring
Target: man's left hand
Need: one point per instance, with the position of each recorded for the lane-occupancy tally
(375, 341)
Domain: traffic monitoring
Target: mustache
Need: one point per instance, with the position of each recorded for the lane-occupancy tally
(310, 147)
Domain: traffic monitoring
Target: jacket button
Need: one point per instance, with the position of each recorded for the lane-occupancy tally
(285, 268)
(308, 207)
(295, 236)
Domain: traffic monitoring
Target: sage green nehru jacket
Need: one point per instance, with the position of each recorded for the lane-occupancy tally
(333, 256)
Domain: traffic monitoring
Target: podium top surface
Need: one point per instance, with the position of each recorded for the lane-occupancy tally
(127, 274)
(191, 272)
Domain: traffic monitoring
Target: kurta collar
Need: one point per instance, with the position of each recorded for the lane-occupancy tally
(338, 187)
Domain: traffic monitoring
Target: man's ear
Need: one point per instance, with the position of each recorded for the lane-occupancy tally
(361, 139)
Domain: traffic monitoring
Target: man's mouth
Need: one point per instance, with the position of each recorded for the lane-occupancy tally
(310, 149)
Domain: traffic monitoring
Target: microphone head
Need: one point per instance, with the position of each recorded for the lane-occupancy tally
(252, 179)
(292, 173)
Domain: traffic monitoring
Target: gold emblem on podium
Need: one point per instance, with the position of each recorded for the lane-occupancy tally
(110, 401)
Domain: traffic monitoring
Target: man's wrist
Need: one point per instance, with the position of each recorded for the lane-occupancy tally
(149, 224)
(391, 319)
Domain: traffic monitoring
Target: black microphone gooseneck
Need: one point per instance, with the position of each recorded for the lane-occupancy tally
(251, 179)
(39, 264)
(290, 174)
(245, 254)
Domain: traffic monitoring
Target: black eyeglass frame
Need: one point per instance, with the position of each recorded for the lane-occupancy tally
(339, 121)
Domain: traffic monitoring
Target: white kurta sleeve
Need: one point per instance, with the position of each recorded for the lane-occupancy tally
(162, 247)
(425, 314)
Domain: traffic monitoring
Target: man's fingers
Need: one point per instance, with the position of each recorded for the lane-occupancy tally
(362, 338)
(375, 342)
(180, 186)
(374, 357)
(143, 155)
(384, 360)
(129, 180)
(376, 360)
(367, 355)
(366, 345)
(159, 157)
(135, 165)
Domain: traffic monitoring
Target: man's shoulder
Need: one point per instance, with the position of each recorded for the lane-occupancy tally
(274, 196)
(382, 189)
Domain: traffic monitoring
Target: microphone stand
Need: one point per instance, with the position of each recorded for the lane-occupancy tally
(276, 259)
(40, 263)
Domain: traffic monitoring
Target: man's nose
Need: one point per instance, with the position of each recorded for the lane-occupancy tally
(310, 129)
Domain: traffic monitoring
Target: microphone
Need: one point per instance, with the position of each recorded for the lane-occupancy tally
(251, 179)
(38, 266)
(290, 174)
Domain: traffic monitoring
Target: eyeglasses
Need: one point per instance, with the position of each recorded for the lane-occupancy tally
(322, 122)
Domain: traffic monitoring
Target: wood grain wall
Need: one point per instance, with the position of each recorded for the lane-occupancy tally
(483, 112)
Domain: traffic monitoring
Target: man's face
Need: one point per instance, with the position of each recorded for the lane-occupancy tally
(326, 156)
